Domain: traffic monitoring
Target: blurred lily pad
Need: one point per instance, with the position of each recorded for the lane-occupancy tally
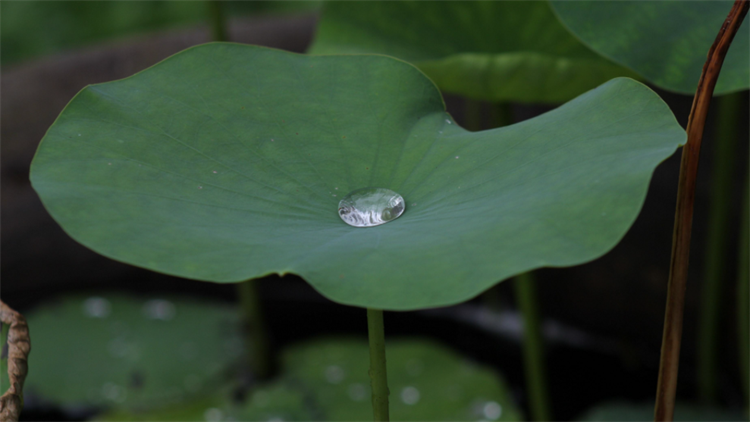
(327, 380)
(664, 41)
(626, 412)
(122, 351)
(227, 162)
(4, 380)
(488, 50)
(275, 402)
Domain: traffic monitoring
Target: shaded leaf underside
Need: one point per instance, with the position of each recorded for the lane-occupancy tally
(488, 50)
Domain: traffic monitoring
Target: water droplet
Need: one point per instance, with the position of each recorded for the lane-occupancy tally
(357, 392)
(369, 207)
(334, 374)
(492, 410)
(447, 121)
(200, 187)
(410, 395)
(336, 188)
(109, 164)
(159, 309)
(213, 414)
(457, 157)
(79, 134)
(97, 307)
(271, 139)
(214, 171)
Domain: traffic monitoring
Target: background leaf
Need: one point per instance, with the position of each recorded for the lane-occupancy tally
(123, 351)
(327, 380)
(489, 50)
(227, 162)
(622, 411)
(666, 42)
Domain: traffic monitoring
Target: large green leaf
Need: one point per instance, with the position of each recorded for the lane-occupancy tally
(665, 41)
(226, 162)
(4, 380)
(623, 411)
(327, 380)
(490, 50)
(122, 351)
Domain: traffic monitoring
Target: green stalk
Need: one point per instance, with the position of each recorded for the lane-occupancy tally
(728, 116)
(743, 293)
(218, 23)
(254, 329)
(533, 348)
(378, 374)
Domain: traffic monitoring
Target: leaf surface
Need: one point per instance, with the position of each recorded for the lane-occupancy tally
(664, 41)
(227, 162)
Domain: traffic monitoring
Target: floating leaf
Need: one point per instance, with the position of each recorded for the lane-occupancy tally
(427, 382)
(122, 351)
(275, 402)
(227, 162)
(665, 41)
(623, 412)
(327, 380)
(489, 50)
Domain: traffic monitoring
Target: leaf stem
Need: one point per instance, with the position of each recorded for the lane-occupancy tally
(378, 374)
(533, 348)
(670, 351)
(743, 293)
(218, 22)
(254, 329)
(728, 115)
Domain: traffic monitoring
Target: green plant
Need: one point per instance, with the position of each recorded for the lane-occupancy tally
(226, 162)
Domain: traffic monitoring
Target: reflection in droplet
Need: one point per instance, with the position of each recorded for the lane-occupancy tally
(159, 309)
(410, 395)
(357, 392)
(97, 307)
(213, 414)
(492, 410)
(369, 207)
(334, 374)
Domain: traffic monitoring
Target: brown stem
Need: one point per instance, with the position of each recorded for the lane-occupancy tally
(19, 346)
(670, 348)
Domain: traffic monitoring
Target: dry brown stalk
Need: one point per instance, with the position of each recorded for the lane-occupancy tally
(19, 346)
